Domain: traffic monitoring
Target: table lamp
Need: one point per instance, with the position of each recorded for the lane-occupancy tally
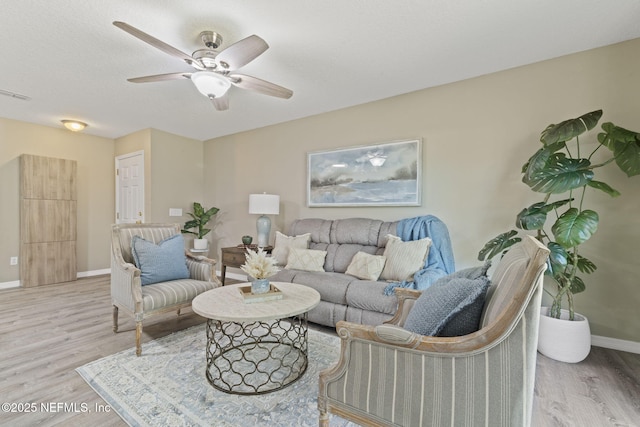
(264, 204)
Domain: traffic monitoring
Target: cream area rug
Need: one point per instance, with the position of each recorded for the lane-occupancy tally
(166, 386)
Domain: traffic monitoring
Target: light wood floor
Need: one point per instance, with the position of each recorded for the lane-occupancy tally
(46, 332)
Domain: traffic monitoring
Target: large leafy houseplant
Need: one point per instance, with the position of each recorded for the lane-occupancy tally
(562, 174)
(199, 219)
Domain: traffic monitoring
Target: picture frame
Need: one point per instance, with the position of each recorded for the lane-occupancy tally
(385, 174)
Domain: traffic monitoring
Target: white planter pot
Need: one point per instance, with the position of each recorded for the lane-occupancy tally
(200, 244)
(562, 339)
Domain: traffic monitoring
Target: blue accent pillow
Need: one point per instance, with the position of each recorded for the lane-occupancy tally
(162, 262)
(450, 307)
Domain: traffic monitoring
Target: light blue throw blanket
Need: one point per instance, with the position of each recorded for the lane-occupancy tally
(440, 259)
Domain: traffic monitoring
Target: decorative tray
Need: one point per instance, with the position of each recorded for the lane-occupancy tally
(252, 246)
(249, 297)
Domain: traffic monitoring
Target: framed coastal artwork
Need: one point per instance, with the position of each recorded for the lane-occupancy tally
(387, 174)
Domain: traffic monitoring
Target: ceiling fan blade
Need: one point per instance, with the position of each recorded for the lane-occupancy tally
(160, 77)
(261, 86)
(221, 103)
(241, 53)
(154, 42)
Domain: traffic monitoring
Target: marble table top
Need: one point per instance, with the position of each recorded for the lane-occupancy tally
(226, 303)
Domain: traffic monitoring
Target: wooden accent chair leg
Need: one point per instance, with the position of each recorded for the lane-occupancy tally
(115, 318)
(138, 338)
(324, 419)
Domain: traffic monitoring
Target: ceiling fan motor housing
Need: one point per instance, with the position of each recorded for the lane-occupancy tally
(211, 39)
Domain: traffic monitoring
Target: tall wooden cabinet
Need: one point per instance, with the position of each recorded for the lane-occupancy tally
(48, 220)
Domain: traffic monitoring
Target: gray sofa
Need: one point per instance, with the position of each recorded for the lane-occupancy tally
(345, 297)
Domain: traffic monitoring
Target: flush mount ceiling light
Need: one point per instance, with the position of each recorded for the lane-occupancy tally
(210, 84)
(74, 125)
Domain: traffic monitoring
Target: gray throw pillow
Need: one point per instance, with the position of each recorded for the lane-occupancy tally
(162, 262)
(450, 307)
(467, 273)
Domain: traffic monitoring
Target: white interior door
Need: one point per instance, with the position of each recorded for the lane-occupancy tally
(130, 188)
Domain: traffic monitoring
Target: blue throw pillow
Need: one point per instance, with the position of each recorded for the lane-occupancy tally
(162, 262)
(450, 307)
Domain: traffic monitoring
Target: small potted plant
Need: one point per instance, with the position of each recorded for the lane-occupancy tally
(259, 267)
(200, 218)
(563, 175)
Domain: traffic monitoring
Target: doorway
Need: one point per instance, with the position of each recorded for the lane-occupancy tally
(130, 188)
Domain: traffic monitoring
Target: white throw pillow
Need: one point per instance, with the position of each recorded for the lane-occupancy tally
(366, 266)
(283, 243)
(404, 259)
(306, 259)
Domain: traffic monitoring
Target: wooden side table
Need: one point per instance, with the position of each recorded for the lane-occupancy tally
(234, 256)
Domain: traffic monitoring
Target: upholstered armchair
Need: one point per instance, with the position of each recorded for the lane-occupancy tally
(387, 375)
(141, 301)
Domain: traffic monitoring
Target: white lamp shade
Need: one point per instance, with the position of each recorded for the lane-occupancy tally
(264, 204)
(210, 84)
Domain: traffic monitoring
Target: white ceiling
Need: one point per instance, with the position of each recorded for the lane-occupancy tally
(73, 63)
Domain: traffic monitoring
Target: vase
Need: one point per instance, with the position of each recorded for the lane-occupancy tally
(246, 240)
(563, 339)
(260, 286)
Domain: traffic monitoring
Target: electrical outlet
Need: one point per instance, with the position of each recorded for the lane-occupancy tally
(13, 260)
(175, 212)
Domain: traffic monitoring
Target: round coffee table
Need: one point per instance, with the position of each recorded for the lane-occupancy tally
(255, 347)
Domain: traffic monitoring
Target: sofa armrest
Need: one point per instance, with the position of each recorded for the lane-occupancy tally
(463, 345)
(126, 287)
(396, 335)
(202, 268)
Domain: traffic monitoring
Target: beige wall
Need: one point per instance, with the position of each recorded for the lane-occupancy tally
(173, 172)
(476, 135)
(173, 179)
(176, 176)
(95, 189)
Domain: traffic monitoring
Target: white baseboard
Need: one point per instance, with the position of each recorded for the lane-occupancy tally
(615, 344)
(94, 272)
(16, 283)
(9, 285)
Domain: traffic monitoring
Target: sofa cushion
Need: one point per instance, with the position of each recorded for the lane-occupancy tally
(306, 259)
(283, 243)
(320, 229)
(404, 259)
(340, 256)
(332, 287)
(366, 266)
(453, 307)
(360, 231)
(162, 262)
(368, 295)
(160, 295)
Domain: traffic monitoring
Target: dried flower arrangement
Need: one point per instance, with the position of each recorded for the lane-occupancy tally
(258, 265)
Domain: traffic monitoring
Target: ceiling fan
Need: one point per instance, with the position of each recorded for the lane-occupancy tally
(215, 70)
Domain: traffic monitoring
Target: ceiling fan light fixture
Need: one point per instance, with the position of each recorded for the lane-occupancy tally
(74, 125)
(210, 84)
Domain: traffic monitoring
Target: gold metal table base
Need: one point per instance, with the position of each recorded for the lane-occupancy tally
(257, 357)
